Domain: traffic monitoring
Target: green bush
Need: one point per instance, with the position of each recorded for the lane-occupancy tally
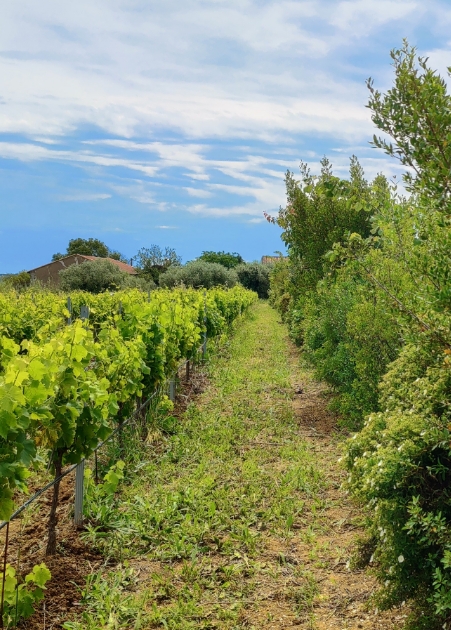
(226, 259)
(15, 281)
(350, 337)
(21, 596)
(153, 261)
(97, 276)
(255, 276)
(199, 274)
(279, 287)
(400, 466)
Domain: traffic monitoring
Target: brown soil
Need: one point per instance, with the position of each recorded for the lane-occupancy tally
(69, 568)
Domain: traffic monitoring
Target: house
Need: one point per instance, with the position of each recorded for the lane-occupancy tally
(49, 273)
(267, 260)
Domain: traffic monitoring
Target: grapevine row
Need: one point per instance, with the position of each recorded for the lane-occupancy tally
(64, 388)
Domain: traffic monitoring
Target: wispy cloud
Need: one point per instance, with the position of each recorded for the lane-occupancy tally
(191, 109)
(82, 196)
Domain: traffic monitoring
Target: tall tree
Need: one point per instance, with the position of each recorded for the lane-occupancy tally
(153, 261)
(89, 247)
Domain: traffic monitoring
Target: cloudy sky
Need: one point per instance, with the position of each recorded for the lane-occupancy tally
(143, 121)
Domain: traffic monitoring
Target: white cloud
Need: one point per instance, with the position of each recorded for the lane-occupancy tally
(239, 68)
(236, 91)
(84, 196)
(197, 192)
(226, 211)
(166, 227)
(361, 16)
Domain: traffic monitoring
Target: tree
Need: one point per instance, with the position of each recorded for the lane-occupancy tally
(89, 247)
(222, 258)
(152, 261)
(255, 276)
(93, 276)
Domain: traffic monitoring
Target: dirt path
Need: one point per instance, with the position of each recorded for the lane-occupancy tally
(343, 599)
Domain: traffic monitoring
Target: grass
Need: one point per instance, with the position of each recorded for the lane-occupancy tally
(200, 525)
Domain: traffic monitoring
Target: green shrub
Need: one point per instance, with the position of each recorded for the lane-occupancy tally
(279, 286)
(153, 261)
(225, 259)
(400, 466)
(254, 276)
(16, 281)
(350, 337)
(199, 274)
(99, 275)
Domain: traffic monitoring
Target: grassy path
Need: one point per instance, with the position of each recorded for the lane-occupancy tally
(239, 522)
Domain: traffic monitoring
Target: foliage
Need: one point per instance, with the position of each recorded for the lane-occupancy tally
(226, 259)
(64, 387)
(279, 286)
(109, 602)
(89, 247)
(20, 598)
(370, 299)
(330, 305)
(94, 276)
(199, 274)
(16, 281)
(152, 261)
(350, 337)
(254, 276)
(400, 467)
(401, 461)
(320, 211)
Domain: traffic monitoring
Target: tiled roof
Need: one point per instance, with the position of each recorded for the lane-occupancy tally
(122, 266)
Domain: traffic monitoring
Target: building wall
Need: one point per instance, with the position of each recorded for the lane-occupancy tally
(49, 274)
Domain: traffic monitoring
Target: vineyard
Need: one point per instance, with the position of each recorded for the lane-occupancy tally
(73, 370)
(269, 486)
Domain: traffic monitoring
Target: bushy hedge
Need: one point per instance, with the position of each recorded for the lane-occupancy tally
(199, 274)
(372, 310)
(400, 466)
(99, 275)
(254, 276)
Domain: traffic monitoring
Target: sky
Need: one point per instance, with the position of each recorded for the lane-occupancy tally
(173, 123)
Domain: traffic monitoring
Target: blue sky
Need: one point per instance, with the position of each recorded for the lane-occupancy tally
(144, 122)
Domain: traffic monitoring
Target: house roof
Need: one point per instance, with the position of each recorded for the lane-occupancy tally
(271, 259)
(122, 266)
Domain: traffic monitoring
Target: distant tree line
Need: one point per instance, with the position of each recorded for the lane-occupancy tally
(155, 267)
